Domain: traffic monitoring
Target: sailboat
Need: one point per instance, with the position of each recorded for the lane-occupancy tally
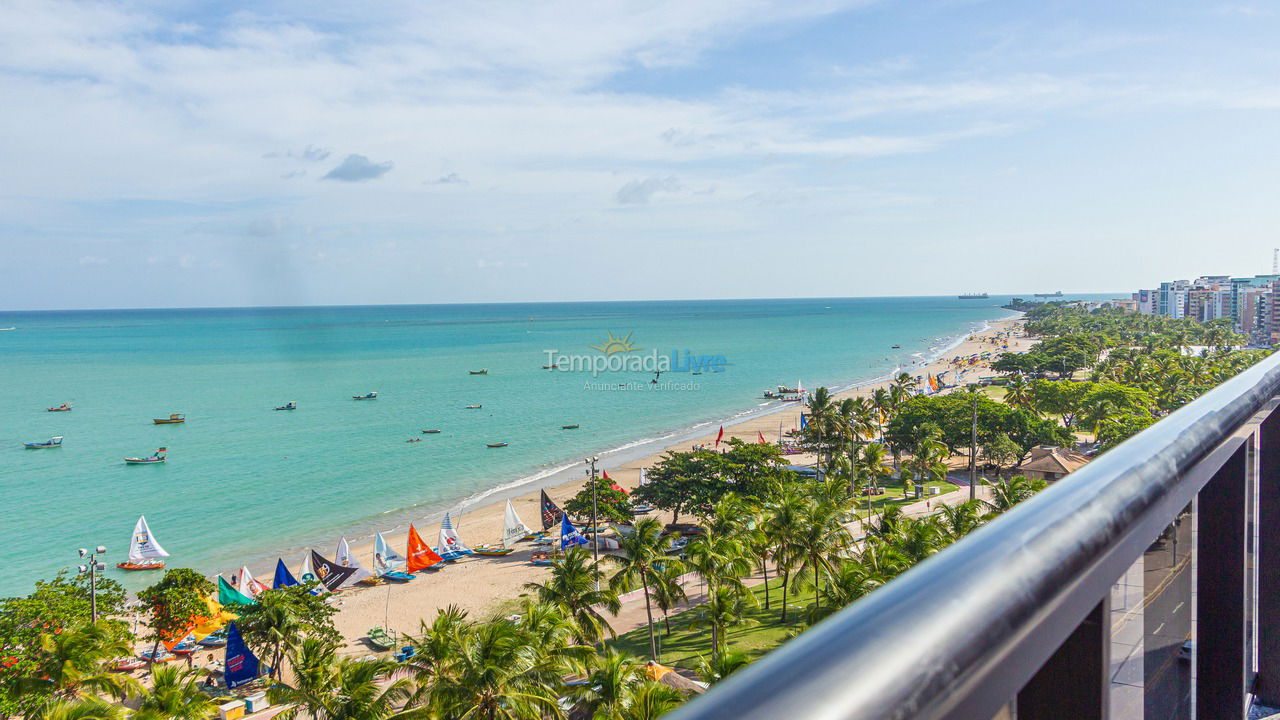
(346, 559)
(387, 562)
(246, 585)
(144, 552)
(513, 531)
(451, 546)
(421, 556)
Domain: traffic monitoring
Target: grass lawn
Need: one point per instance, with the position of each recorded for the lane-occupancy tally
(763, 632)
(893, 496)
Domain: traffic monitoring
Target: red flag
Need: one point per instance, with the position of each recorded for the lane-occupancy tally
(605, 474)
(720, 436)
(761, 436)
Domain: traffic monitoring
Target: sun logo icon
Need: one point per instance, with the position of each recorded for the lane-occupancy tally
(612, 345)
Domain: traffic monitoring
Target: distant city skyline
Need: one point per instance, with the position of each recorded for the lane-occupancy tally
(187, 155)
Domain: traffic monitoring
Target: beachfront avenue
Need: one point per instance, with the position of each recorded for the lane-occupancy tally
(650, 362)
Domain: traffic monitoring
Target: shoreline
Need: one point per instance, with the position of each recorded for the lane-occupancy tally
(556, 475)
(480, 585)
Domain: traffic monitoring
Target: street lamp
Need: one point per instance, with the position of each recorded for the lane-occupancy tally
(92, 568)
(595, 534)
(973, 446)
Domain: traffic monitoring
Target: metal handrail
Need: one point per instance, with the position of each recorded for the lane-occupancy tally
(958, 635)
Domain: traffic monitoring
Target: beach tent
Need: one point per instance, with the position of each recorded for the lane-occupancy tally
(283, 577)
(346, 559)
(241, 666)
(228, 595)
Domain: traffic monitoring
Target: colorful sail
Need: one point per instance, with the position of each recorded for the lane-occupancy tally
(213, 621)
(329, 573)
(143, 546)
(421, 556)
(346, 559)
(449, 540)
(228, 595)
(241, 666)
(247, 585)
(550, 513)
(283, 577)
(513, 528)
(569, 535)
(385, 559)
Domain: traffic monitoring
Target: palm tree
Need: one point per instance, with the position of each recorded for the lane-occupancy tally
(722, 666)
(1011, 491)
(274, 628)
(668, 592)
(607, 690)
(821, 412)
(872, 470)
(918, 538)
(327, 688)
(572, 588)
(882, 401)
(723, 608)
(436, 649)
(86, 708)
(783, 513)
(497, 676)
(960, 519)
(640, 552)
(848, 581)
(820, 538)
(77, 662)
(927, 462)
(1019, 393)
(651, 700)
(175, 695)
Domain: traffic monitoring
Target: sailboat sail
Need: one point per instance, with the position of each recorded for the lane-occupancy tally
(449, 540)
(346, 559)
(550, 513)
(247, 585)
(513, 528)
(329, 573)
(384, 558)
(283, 577)
(240, 665)
(421, 556)
(143, 546)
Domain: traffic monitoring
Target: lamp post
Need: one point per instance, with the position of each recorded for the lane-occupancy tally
(595, 536)
(92, 568)
(973, 447)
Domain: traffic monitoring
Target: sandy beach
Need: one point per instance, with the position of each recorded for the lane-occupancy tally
(482, 585)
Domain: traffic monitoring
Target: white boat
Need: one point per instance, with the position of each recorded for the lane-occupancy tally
(451, 546)
(513, 528)
(144, 552)
(387, 563)
(346, 559)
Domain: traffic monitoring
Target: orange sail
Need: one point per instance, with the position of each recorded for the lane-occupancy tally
(420, 554)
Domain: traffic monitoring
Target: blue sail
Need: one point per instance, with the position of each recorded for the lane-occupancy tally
(284, 578)
(241, 665)
(569, 535)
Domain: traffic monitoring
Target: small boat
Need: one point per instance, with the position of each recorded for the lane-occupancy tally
(153, 459)
(367, 396)
(173, 419)
(895, 347)
(380, 639)
(396, 576)
(127, 665)
(218, 639)
(64, 407)
(53, 442)
(160, 656)
(492, 550)
(545, 557)
(451, 546)
(371, 580)
(513, 528)
(496, 445)
(144, 552)
(568, 427)
(473, 407)
(291, 405)
(184, 648)
(430, 432)
(414, 440)
(484, 371)
(551, 367)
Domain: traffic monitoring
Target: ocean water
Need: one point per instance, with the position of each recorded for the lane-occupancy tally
(244, 482)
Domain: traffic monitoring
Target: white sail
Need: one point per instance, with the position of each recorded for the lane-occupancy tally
(346, 559)
(246, 584)
(449, 540)
(385, 558)
(143, 546)
(307, 574)
(513, 528)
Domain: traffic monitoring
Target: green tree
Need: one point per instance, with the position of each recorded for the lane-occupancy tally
(328, 688)
(610, 504)
(572, 588)
(87, 708)
(281, 618)
(820, 538)
(1001, 452)
(638, 553)
(72, 664)
(1011, 491)
(651, 700)
(175, 602)
(495, 675)
(175, 694)
(607, 691)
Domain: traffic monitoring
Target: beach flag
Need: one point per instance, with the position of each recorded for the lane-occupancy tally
(720, 436)
(550, 513)
(283, 577)
(761, 439)
(329, 573)
(421, 556)
(228, 595)
(241, 666)
(569, 535)
(804, 421)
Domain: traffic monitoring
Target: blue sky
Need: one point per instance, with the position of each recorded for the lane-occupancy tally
(189, 154)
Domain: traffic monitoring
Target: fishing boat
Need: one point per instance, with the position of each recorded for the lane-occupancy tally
(545, 557)
(173, 419)
(380, 639)
(551, 367)
(396, 576)
(291, 405)
(184, 648)
(127, 664)
(64, 407)
(451, 546)
(217, 639)
(153, 459)
(487, 550)
(496, 445)
(569, 427)
(144, 552)
(159, 656)
(430, 432)
(53, 442)
(473, 407)
(483, 371)
(367, 396)
(419, 555)
(895, 347)
(411, 440)
(345, 558)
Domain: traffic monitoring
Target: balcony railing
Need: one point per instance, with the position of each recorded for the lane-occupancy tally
(1144, 585)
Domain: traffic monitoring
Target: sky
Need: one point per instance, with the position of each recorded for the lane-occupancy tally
(179, 153)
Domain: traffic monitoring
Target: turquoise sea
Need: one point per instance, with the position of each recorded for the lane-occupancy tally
(244, 482)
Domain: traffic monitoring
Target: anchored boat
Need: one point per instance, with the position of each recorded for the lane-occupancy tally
(484, 371)
(569, 427)
(473, 407)
(367, 396)
(64, 407)
(144, 552)
(53, 442)
(173, 419)
(156, 457)
(430, 432)
(291, 405)
(496, 445)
